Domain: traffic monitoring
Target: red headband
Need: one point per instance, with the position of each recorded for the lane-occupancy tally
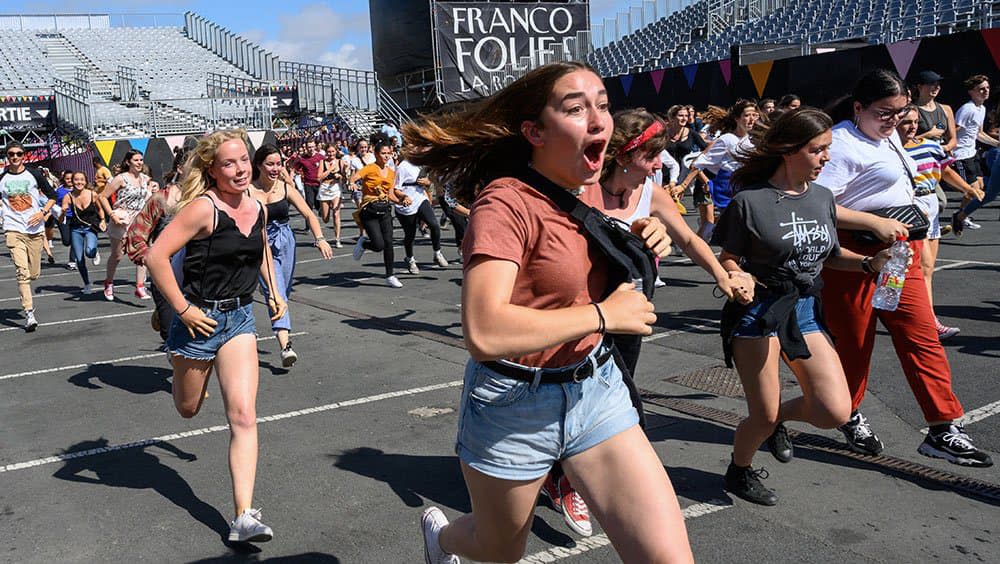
(650, 132)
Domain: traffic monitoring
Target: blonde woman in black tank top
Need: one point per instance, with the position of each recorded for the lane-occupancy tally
(221, 226)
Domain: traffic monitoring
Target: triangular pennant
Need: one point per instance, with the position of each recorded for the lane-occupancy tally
(139, 144)
(257, 138)
(760, 72)
(689, 73)
(286, 101)
(105, 148)
(902, 53)
(726, 66)
(626, 83)
(43, 113)
(174, 141)
(657, 77)
(992, 39)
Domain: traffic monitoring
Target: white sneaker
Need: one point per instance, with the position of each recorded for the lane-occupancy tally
(88, 289)
(248, 528)
(440, 260)
(71, 265)
(411, 265)
(431, 524)
(969, 224)
(359, 247)
(659, 283)
(393, 282)
(29, 321)
(97, 259)
(338, 244)
(288, 356)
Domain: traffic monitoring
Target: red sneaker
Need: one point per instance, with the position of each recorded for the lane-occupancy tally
(574, 509)
(551, 490)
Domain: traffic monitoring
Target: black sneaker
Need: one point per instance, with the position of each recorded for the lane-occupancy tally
(954, 446)
(780, 444)
(956, 225)
(744, 482)
(859, 435)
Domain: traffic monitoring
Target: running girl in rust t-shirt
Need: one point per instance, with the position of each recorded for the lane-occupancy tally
(542, 386)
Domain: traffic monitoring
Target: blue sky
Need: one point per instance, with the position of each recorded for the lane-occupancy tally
(336, 32)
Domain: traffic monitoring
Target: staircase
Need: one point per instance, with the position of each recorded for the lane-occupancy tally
(65, 59)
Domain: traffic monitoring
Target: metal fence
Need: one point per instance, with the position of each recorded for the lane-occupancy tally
(56, 22)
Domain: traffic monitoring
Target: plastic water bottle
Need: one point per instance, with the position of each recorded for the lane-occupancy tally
(890, 281)
(638, 284)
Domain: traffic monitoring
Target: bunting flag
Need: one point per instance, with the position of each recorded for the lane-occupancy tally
(726, 66)
(174, 141)
(139, 144)
(760, 72)
(626, 83)
(992, 39)
(657, 77)
(902, 53)
(689, 73)
(105, 148)
(257, 138)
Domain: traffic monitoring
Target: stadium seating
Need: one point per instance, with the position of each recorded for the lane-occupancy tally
(681, 37)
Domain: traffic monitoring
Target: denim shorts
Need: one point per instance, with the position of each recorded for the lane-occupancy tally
(230, 324)
(515, 430)
(805, 311)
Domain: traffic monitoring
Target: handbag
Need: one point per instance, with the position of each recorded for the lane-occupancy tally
(378, 207)
(910, 214)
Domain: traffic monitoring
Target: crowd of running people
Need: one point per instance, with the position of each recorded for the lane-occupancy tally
(789, 194)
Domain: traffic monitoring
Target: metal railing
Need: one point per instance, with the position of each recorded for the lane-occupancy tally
(634, 18)
(43, 22)
(241, 52)
(359, 87)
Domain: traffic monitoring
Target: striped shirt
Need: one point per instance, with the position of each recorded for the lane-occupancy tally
(930, 159)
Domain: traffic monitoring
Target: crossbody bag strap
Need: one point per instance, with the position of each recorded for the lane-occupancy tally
(906, 170)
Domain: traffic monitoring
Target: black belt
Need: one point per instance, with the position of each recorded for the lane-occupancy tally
(228, 304)
(578, 373)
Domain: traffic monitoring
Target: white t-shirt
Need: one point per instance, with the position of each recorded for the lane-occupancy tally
(22, 198)
(968, 122)
(722, 154)
(406, 178)
(866, 175)
(671, 165)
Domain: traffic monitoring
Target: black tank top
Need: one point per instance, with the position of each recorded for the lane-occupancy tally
(682, 148)
(225, 264)
(928, 120)
(277, 212)
(89, 216)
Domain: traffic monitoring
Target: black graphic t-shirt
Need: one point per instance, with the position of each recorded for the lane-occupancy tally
(780, 236)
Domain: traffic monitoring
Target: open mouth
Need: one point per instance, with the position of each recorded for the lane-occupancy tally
(594, 154)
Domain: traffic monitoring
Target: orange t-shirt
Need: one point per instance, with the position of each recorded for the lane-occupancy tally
(374, 186)
(556, 267)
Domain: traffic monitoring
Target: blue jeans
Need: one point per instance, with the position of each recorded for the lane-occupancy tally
(83, 245)
(516, 430)
(992, 188)
(282, 242)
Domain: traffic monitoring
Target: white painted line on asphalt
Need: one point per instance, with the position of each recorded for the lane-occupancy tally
(685, 329)
(111, 361)
(92, 270)
(958, 264)
(218, 428)
(95, 318)
(979, 262)
(75, 292)
(586, 544)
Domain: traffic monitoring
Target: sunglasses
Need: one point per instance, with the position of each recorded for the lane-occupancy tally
(15, 153)
(887, 115)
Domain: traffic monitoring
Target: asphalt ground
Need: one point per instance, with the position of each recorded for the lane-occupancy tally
(357, 438)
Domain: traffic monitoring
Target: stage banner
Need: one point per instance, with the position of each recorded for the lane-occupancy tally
(480, 45)
(22, 113)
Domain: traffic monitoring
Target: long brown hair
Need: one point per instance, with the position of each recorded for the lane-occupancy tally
(469, 147)
(630, 124)
(725, 120)
(784, 136)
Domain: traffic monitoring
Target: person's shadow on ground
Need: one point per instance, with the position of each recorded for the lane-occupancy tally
(135, 468)
(437, 479)
(133, 379)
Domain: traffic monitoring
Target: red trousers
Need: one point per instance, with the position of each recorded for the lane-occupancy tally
(847, 307)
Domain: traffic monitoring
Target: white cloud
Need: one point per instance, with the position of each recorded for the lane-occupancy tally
(317, 34)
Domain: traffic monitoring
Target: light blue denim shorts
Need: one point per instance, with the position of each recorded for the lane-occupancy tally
(805, 313)
(516, 430)
(230, 324)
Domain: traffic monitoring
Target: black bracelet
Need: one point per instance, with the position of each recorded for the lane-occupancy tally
(185, 310)
(602, 327)
(866, 265)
